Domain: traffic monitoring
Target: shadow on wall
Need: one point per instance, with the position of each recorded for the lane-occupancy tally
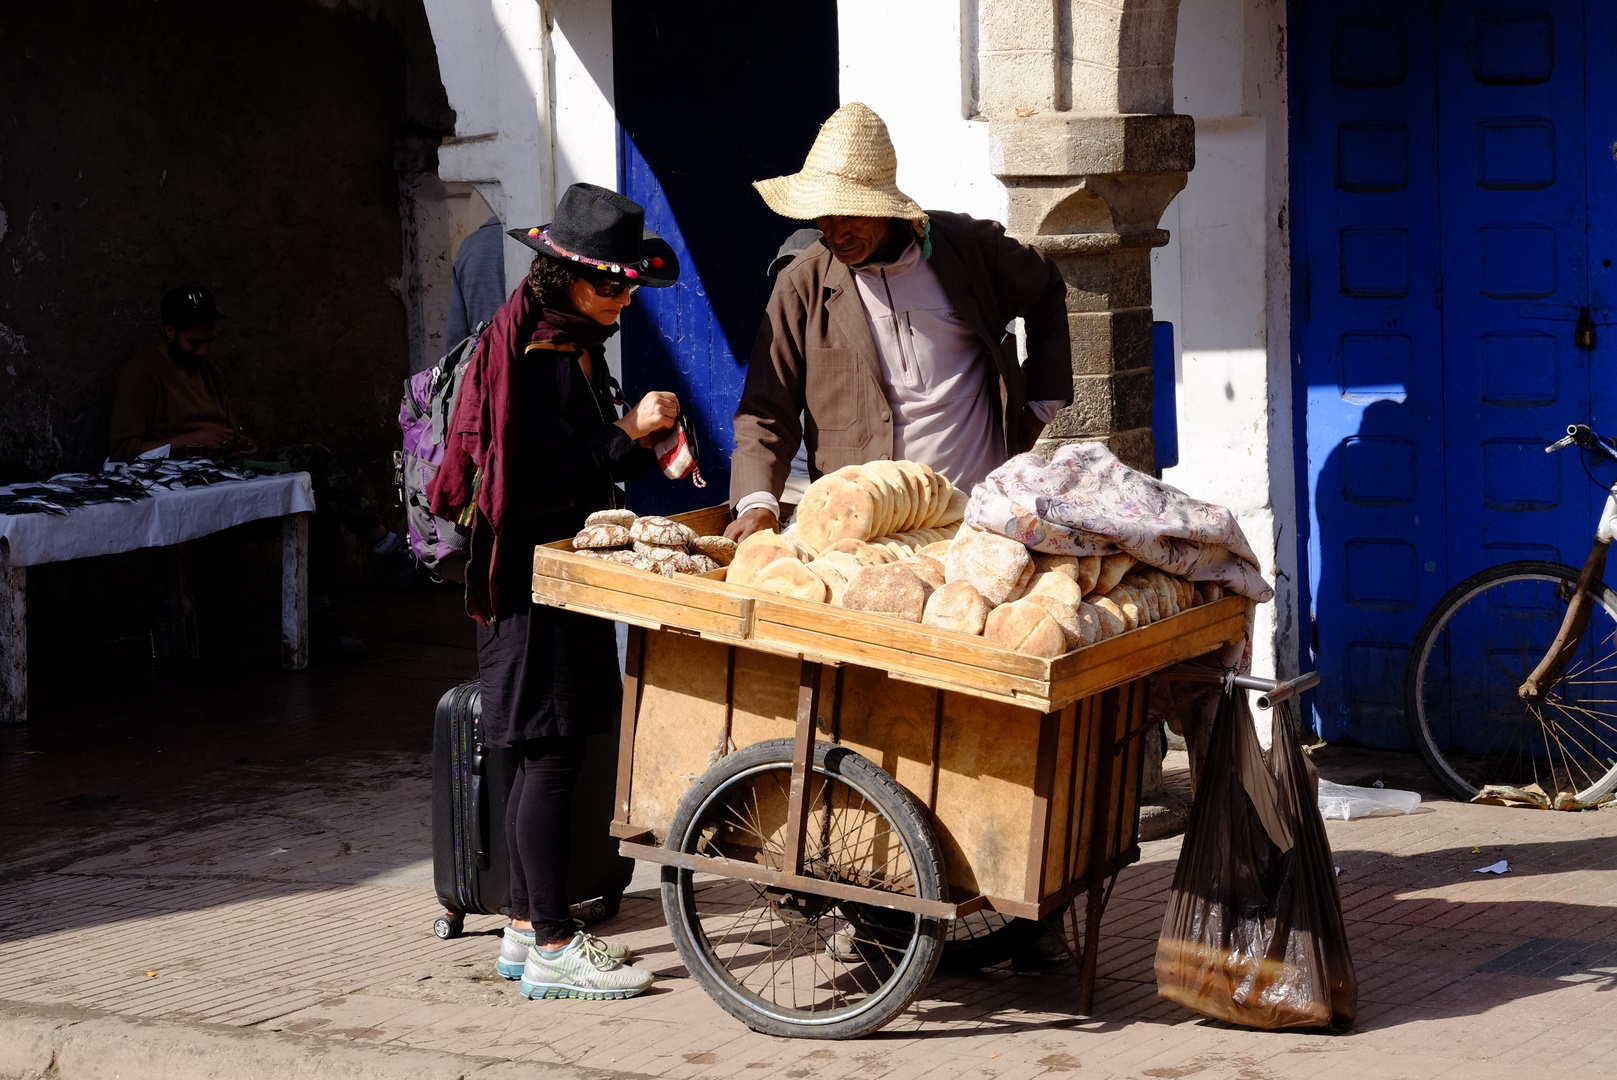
(710, 97)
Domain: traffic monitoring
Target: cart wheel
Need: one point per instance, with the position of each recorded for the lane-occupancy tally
(448, 925)
(803, 965)
(985, 938)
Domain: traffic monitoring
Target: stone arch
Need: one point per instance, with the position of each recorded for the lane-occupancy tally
(1080, 56)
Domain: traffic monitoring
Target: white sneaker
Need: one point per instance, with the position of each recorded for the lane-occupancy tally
(583, 968)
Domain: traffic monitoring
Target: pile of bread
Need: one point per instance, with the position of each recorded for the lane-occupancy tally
(657, 544)
(924, 568)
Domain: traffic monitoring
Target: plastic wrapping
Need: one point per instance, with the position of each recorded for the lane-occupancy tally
(1344, 803)
(1253, 933)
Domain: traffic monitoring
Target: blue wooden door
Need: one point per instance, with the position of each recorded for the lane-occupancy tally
(710, 96)
(1442, 184)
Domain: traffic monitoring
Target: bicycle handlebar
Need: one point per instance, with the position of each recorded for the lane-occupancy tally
(1585, 438)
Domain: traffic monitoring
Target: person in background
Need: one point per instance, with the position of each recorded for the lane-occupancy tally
(536, 445)
(174, 396)
(797, 481)
(889, 338)
(479, 281)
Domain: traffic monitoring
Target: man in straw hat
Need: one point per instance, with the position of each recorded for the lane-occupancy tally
(889, 337)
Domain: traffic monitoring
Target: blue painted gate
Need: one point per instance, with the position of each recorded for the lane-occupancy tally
(710, 96)
(1452, 190)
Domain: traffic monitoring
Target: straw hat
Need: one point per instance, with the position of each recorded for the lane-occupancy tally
(850, 172)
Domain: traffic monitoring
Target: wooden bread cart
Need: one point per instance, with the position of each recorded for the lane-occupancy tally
(839, 800)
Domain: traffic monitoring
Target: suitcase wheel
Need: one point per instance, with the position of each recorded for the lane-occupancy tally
(606, 907)
(448, 925)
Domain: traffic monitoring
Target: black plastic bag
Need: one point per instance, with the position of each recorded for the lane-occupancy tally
(1253, 932)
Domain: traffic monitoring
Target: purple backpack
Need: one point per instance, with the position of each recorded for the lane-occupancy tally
(441, 546)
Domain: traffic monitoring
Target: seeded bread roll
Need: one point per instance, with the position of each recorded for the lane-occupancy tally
(601, 537)
(1081, 568)
(756, 552)
(1025, 626)
(997, 566)
(1054, 583)
(790, 577)
(1112, 569)
(957, 606)
(721, 549)
(1067, 617)
(659, 532)
(1112, 622)
(892, 590)
(624, 518)
(928, 570)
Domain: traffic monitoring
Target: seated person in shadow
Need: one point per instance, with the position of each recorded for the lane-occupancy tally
(174, 395)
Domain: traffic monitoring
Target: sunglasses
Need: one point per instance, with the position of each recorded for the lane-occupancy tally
(611, 288)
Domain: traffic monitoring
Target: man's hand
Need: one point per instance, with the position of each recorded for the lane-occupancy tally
(758, 519)
(657, 411)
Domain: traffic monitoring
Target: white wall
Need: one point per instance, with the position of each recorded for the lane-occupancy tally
(1223, 281)
(905, 59)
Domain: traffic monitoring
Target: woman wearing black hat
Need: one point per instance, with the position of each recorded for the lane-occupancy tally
(536, 445)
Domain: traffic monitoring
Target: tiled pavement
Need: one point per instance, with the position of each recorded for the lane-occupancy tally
(300, 902)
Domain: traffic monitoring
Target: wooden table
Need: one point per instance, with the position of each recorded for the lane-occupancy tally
(1028, 769)
(167, 518)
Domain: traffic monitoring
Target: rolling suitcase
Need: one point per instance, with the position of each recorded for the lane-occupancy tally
(470, 784)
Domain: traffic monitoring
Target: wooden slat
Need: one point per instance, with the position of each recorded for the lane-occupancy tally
(858, 626)
(685, 590)
(797, 806)
(1043, 788)
(634, 663)
(1151, 648)
(652, 612)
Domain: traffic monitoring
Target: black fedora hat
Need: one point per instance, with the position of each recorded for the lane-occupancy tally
(603, 233)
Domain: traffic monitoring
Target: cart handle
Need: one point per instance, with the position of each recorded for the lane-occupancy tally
(1272, 693)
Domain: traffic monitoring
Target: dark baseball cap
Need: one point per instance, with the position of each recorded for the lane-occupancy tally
(795, 245)
(189, 305)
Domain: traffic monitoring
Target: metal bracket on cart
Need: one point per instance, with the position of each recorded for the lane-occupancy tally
(1270, 692)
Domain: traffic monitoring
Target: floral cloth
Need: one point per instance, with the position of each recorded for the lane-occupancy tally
(1083, 501)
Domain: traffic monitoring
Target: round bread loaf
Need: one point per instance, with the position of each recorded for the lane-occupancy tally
(721, 549)
(1112, 569)
(1066, 617)
(1185, 592)
(1054, 583)
(702, 564)
(938, 550)
(1167, 594)
(1106, 623)
(1144, 591)
(1112, 621)
(790, 577)
(658, 531)
(756, 552)
(1046, 563)
(867, 553)
(892, 590)
(656, 552)
(957, 606)
(928, 570)
(835, 508)
(600, 537)
(997, 566)
(1024, 625)
(836, 569)
(634, 559)
(611, 517)
(1135, 612)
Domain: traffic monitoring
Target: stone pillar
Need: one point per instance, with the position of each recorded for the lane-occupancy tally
(1079, 96)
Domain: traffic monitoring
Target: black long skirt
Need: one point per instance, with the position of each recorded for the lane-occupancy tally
(546, 672)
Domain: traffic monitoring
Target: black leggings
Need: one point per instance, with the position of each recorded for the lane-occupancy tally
(539, 832)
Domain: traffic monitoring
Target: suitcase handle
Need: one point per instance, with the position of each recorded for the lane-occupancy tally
(479, 813)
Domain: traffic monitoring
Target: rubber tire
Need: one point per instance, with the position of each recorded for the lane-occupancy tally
(914, 829)
(1425, 745)
(994, 947)
(447, 926)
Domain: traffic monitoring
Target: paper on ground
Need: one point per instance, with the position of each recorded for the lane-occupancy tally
(1500, 867)
(1342, 802)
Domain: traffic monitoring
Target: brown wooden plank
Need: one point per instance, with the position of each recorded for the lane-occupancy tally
(1152, 648)
(986, 767)
(797, 807)
(1044, 778)
(685, 590)
(633, 665)
(680, 725)
(896, 634)
(648, 610)
(1059, 835)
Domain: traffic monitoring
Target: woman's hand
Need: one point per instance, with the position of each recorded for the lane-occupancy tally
(657, 411)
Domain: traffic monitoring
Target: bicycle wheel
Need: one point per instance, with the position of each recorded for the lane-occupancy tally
(802, 965)
(1472, 653)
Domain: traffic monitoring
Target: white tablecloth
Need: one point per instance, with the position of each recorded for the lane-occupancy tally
(168, 517)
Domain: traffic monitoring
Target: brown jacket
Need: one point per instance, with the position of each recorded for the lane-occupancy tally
(814, 353)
